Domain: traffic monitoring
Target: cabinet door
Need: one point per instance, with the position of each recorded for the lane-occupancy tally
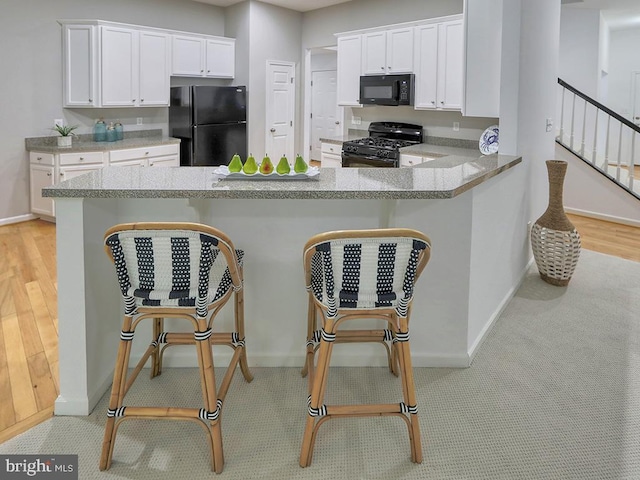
(349, 67)
(154, 69)
(41, 176)
(400, 50)
(79, 65)
(119, 74)
(374, 48)
(330, 160)
(426, 66)
(187, 56)
(450, 65)
(142, 162)
(221, 60)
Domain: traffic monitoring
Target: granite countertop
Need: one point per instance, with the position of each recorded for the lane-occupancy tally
(85, 143)
(340, 139)
(445, 177)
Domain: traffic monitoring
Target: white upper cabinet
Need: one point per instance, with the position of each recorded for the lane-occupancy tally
(107, 64)
(187, 57)
(439, 59)
(134, 69)
(119, 75)
(348, 81)
(387, 52)
(79, 62)
(154, 58)
(194, 56)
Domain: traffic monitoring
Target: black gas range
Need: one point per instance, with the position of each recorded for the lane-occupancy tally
(382, 147)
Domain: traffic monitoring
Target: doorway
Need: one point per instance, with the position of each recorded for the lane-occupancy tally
(279, 109)
(324, 120)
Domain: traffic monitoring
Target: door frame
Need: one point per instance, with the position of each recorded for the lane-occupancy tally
(292, 107)
(306, 114)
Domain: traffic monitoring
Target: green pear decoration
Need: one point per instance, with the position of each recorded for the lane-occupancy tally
(283, 167)
(266, 167)
(300, 166)
(250, 166)
(235, 165)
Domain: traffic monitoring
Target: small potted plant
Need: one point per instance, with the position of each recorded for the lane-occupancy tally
(66, 132)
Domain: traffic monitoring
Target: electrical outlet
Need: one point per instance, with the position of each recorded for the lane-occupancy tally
(139, 120)
(58, 121)
(549, 124)
(356, 120)
(456, 126)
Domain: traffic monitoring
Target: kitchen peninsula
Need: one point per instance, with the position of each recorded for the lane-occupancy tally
(471, 207)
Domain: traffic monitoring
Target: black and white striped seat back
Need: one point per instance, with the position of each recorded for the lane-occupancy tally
(365, 272)
(167, 267)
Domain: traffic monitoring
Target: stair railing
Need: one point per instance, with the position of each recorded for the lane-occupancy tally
(599, 136)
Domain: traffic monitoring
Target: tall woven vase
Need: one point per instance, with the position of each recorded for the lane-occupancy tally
(554, 239)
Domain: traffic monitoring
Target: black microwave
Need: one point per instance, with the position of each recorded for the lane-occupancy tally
(387, 89)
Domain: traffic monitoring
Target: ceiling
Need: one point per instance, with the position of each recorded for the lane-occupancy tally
(618, 13)
(299, 5)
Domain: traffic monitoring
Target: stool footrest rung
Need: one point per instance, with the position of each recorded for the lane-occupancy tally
(359, 336)
(363, 410)
(186, 338)
(161, 412)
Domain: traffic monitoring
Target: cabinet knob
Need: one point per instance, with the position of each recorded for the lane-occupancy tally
(441, 102)
(433, 102)
(337, 122)
(272, 130)
(151, 164)
(39, 158)
(382, 68)
(81, 158)
(142, 99)
(48, 174)
(133, 101)
(208, 71)
(91, 99)
(201, 71)
(61, 174)
(146, 153)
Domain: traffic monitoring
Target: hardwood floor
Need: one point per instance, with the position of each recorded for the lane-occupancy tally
(29, 324)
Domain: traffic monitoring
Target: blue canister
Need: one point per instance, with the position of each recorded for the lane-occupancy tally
(100, 131)
(111, 133)
(119, 130)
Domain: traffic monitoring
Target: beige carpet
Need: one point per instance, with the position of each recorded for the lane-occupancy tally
(554, 393)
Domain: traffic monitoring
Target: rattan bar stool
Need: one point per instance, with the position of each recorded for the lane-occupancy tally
(184, 271)
(361, 274)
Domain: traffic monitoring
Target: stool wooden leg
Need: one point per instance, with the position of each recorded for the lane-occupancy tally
(208, 380)
(117, 395)
(158, 328)
(239, 319)
(311, 328)
(317, 394)
(409, 392)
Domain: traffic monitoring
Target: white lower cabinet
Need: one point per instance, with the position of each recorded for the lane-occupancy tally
(156, 156)
(331, 155)
(47, 169)
(42, 175)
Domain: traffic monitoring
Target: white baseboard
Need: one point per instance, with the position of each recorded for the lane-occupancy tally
(18, 219)
(496, 314)
(602, 216)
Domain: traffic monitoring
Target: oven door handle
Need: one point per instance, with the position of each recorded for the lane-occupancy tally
(367, 157)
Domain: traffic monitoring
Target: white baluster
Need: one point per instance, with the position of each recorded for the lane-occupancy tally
(584, 126)
(632, 159)
(605, 165)
(595, 139)
(619, 153)
(562, 117)
(573, 119)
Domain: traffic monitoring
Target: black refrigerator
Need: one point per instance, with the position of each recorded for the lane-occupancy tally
(211, 123)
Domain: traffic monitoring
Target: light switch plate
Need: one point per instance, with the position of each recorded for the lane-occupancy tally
(456, 126)
(139, 120)
(58, 121)
(549, 124)
(356, 120)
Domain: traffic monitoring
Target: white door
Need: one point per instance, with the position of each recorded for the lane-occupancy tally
(324, 109)
(280, 99)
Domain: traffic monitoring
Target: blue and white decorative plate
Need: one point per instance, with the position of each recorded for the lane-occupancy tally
(489, 140)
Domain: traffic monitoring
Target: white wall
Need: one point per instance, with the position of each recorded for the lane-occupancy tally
(31, 80)
(274, 34)
(580, 48)
(624, 58)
